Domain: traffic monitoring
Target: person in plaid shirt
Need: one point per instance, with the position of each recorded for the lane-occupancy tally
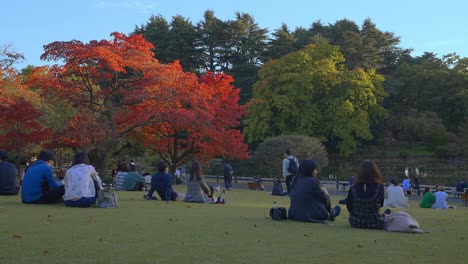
(366, 198)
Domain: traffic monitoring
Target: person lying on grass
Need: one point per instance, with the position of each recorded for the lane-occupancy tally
(162, 183)
(310, 202)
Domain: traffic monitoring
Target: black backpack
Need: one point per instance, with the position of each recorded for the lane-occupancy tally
(292, 166)
(278, 213)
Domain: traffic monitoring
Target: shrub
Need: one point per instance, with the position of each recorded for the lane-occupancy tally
(403, 154)
(269, 154)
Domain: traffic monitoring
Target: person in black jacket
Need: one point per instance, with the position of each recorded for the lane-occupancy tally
(310, 202)
(8, 182)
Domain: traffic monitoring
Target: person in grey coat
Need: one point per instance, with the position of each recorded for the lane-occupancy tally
(310, 202)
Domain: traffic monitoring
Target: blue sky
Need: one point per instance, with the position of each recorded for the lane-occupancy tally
(424, 25)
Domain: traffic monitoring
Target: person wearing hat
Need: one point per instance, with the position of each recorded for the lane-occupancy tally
(8, 182)
(39, 185)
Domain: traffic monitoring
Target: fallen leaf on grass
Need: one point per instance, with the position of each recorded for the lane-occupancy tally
(45, 252)
(16, 236)
(360, 246)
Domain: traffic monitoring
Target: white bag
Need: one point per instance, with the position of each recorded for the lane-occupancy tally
(106, 198)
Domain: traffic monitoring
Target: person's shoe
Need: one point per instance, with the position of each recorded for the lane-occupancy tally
(335, 212)
(388, 211)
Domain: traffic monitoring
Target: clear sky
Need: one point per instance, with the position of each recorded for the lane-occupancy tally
(423, 25)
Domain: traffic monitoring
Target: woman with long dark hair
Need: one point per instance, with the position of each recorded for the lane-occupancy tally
(197, 189)
(81, 181)
(366, 198)
(310, 202)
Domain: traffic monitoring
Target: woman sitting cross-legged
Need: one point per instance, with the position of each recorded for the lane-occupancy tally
(395, 196)
(310, 202)
(197, 189)
(81, 182)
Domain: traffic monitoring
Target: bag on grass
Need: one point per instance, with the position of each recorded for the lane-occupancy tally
(278, 213)
(106, 198)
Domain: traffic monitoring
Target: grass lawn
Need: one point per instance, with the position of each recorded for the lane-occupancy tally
(141, 231)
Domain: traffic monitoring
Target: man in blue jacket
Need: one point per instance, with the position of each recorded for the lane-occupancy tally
(39, 185)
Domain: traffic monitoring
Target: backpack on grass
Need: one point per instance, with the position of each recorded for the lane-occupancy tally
(278, 213)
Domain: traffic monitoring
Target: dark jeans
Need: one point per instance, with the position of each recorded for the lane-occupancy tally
(83, 202)
(228, 181)
(50, 196)
(288, 183)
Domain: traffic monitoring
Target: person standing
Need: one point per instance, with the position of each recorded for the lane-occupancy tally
(406, 185)
(8, 182)
(416, 186)
(39, 184)
(227, 175)
(287, 173)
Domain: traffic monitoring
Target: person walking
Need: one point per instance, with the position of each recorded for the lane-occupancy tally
(227, 175)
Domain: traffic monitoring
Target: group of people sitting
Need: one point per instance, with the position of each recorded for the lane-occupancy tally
(198, 191)
(39, 186)
(81, 182)
(310, 202)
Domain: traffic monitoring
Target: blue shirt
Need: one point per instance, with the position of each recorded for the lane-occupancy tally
(36, 176)
(162, 183)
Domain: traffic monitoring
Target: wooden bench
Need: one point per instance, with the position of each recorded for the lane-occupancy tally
(255, 186)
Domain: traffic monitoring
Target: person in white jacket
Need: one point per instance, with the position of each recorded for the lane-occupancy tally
(395, 197)
(81, 182)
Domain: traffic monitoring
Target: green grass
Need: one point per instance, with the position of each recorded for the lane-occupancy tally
(141, 231)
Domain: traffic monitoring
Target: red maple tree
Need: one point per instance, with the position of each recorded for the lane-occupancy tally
(20, 119)
(199, 121)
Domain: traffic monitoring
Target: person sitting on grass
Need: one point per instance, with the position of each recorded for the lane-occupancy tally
(133, 181)
(161, 182)
(428, 198)
(81, 182)
(310, 202)
(39, 185)
(395, 197)
(121, 176)
(278, 188)
(8, 182)
(440, 199)
(197, 189)
(366, 198)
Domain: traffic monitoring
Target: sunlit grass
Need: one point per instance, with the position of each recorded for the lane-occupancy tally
(141, 231)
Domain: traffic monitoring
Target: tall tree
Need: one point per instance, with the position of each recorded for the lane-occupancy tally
(201, 121)
(310, 92)
(110, 82)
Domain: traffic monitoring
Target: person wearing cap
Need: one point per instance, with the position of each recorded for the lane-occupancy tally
(8, 182)
(39, 185)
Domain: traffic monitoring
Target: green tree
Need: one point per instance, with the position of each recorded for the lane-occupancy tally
(310, 92)
(269, 154)
(281, 43)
